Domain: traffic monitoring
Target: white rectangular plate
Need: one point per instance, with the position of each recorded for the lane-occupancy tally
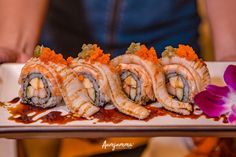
(162, 125)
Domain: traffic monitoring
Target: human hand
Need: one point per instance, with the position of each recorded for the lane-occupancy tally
(8, 55)
(229, 58)
(204, 146)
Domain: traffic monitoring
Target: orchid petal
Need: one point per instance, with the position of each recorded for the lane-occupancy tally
(234, 108)
(218, 91)
(210, 104)
(232, 117)
(230, 76)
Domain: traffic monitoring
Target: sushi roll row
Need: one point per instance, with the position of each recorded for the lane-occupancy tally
(129, 81)
(46, 80)
(85, 83)
(172, 80)
(102, 82)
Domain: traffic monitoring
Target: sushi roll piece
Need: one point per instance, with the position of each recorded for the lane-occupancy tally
(102, 82)
(143, 78)
(60, 80)
(136, 82)
(185, 73)
(38, 86)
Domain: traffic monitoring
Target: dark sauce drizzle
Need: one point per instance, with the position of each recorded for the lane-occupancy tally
(14, 100)
(23, 113)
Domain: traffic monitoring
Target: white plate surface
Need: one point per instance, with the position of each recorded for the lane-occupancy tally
(9, 87)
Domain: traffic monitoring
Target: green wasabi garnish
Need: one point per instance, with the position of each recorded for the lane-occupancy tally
(87, 51)
(38, 51)
(169, 51)
(133, 48)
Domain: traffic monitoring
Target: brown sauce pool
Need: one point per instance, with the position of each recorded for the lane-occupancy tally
(21, 112)
(24, 113)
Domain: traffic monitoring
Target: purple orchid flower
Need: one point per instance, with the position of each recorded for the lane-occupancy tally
(216, 101)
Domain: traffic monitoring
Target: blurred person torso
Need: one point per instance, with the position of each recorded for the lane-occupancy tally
(114, 24)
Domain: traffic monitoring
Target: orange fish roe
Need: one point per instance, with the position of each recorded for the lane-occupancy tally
(69, 60)
(187, 52)
(48, 55)
(99, 56)
(81, 77)
(146, 54)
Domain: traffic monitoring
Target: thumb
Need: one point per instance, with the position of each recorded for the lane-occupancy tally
(22, 58)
